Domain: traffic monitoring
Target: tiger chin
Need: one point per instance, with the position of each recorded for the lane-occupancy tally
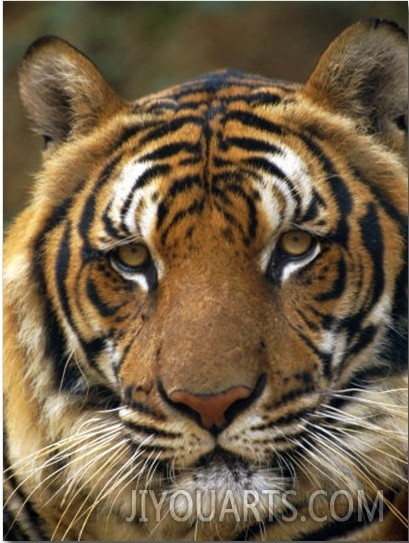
(205, 304)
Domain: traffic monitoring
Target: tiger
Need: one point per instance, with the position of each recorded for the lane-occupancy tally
(205, 304)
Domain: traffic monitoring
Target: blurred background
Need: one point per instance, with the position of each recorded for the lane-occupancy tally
(142, 47)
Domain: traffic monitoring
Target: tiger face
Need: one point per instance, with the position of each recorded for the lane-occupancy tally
(205, 303)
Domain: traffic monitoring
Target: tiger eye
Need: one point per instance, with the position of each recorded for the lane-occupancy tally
(133, 255)
(296, 242)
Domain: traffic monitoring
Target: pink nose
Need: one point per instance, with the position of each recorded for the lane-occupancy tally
(211, 407)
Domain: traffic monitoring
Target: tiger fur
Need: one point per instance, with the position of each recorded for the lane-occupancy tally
(205, 304)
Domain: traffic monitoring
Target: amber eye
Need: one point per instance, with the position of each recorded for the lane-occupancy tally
(131, 256)
(296, 242)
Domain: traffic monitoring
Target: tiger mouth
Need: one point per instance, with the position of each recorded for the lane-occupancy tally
(222, 459)
(239, 467)
(217, 464)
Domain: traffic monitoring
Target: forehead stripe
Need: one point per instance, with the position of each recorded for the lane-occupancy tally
(142, 180)
(252, 144)
(271, 169)
(169, 128)
(170, 149)
(178, 187)
(254, 121)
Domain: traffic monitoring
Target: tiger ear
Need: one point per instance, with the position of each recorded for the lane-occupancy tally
(364, 75)
(62, 91)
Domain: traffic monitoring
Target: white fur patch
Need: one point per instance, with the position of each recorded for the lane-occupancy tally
(279, 202)
(141, 212)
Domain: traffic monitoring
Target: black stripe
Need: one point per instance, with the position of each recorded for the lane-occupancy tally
(289, 418)
(373, 242)
(335, 530)
(229, 217)
(238, 191)
(55, 345)
(170, 127)
(67, 372)
(364, 337)
(338, 285)
(172, 149)
(261, 97)
(344, 202)
(100, 397)
(93, 349)
(141, 181)
(139, 406)
(182, 185)
(396, 348)
(66, 375)
(104, 309)
(325, 358)
(62, 264)
(144, 179)
(338, 187)
(250, 144)
(271, 169)
(248, 96)
(313, 209)
(88, 211)
(254, 121)
(312, 325)
(178, 187)
(151, 431)
(361, 381)
(29, 526)
(328, 319)
(109, 226)
(67, 369)
(58, 215)
(267, 167)
(130, 131)
(195, 208)
(381, 198)
(151, 275)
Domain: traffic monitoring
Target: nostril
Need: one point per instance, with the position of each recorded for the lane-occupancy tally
(242, 404)
(211, 407)
(215, 411)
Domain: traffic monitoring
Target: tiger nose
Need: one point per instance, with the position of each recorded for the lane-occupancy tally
(211, 408)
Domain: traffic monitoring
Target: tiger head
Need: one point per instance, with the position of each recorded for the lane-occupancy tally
(205, 313)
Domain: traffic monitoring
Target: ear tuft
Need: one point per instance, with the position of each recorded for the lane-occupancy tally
(364, 75)
(62, 91)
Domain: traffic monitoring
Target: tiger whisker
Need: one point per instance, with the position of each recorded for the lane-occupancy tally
(332, 438)
(342, 452)
(49, 463)
(327, 463)
(56, 446)
(359, 422)
(64, 371)
(119, 478)
(102, 494)
(77, 490)
(99, 445)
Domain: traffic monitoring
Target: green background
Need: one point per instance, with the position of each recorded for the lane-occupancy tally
(142, 47)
